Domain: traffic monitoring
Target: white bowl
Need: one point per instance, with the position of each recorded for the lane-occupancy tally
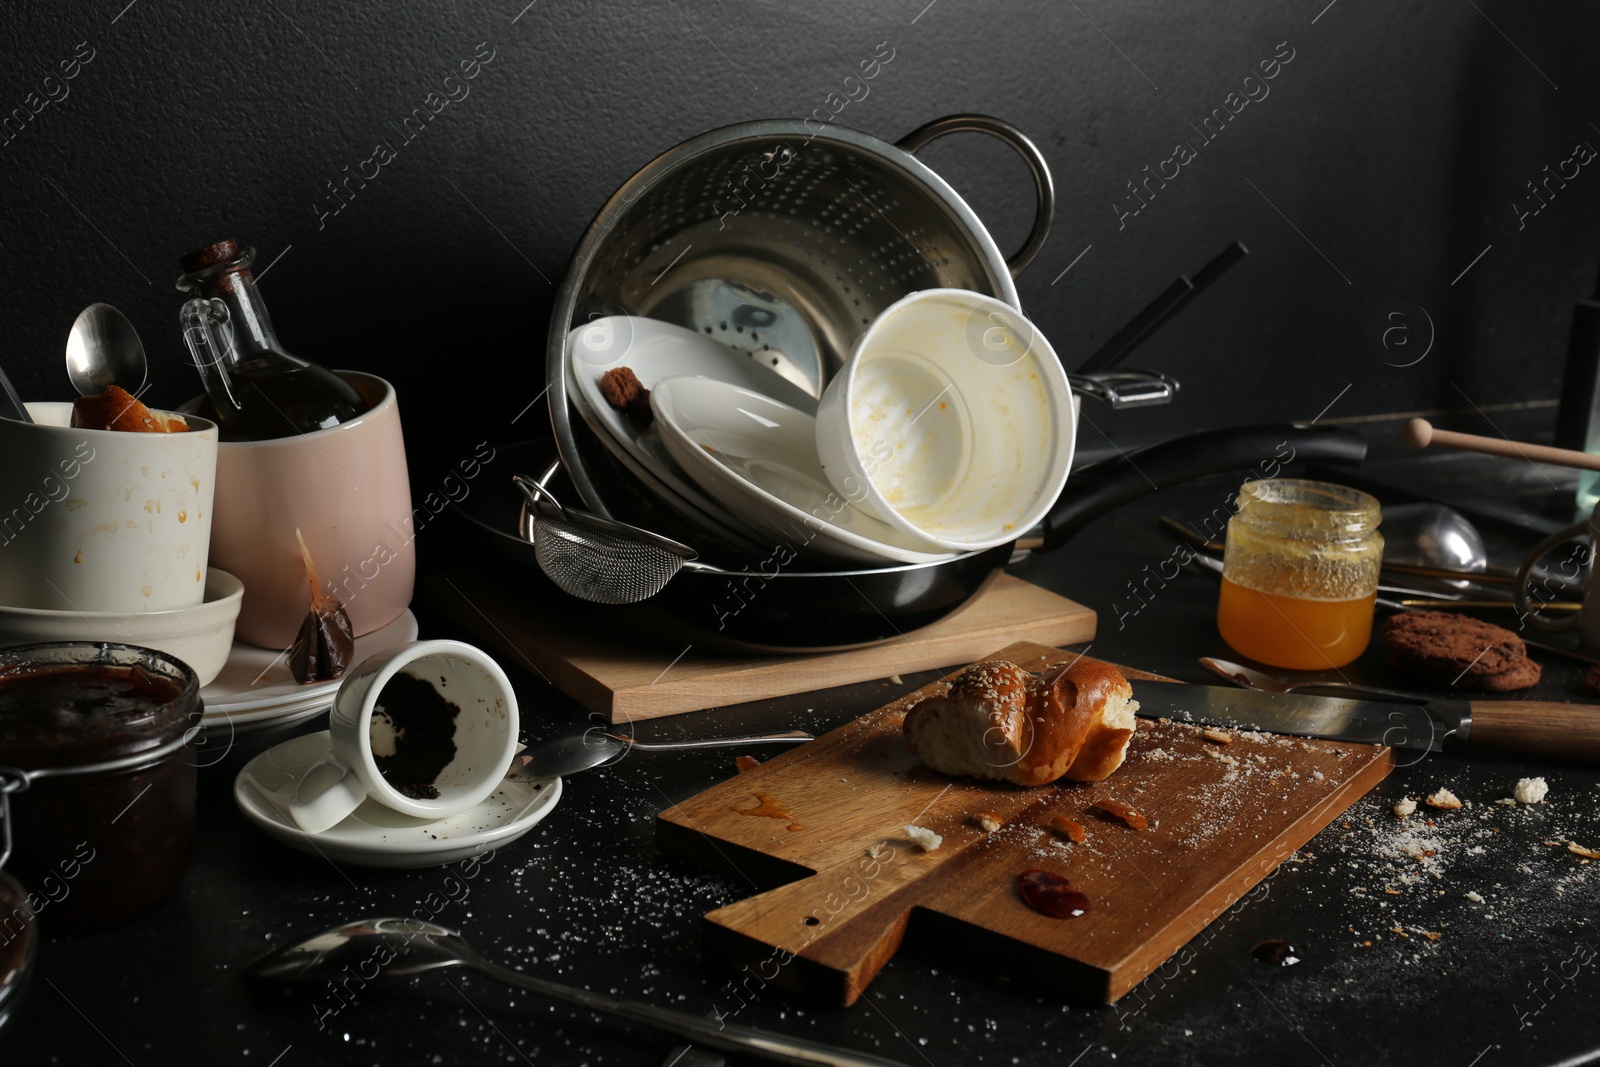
(952, 421)
(758, 456)
(201, 636)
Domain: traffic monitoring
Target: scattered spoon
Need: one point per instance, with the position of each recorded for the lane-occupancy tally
(104, 349)
(11, 405)
(411, 947)
(561, 756)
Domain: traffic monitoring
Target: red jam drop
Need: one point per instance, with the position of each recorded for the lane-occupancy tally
(1049, 894)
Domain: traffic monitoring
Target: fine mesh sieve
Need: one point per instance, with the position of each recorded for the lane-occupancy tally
(594, 558)
(783, 241)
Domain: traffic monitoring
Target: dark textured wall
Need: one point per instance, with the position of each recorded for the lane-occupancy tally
(1389, 154)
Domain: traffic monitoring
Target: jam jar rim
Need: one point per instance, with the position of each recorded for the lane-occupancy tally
(152, 736)
(1279, 516)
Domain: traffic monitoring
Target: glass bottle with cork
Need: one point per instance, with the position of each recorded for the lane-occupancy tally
(255, 390)
(1300, 574)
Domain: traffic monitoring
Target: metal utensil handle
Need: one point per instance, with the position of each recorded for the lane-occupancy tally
(788, 737)
(1043, 186)
(746, 1039)
(1526, 608)
(11, 405)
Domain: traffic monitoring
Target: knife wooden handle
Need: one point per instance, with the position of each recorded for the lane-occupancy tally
(1541, 728)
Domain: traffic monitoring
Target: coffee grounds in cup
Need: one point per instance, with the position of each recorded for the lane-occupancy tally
(413, 735)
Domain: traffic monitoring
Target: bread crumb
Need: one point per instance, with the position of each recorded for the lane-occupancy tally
(746, 763)
(1074, 831)
(1474, 896)
(1531, 791)
(1404, 808)
(1507, 801)
(989, 821)
(1124, 812)
(1158, 754)
(1573, 846)
(1431, 935)
(1443, 799)
(923, 838)
(1221, 737)
(896, 679)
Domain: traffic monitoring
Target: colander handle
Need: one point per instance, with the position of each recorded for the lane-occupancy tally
(1043, 187)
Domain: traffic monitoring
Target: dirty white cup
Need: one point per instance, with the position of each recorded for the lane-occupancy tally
(485, 736)
(104, 520)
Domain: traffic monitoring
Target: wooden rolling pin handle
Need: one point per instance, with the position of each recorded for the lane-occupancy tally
(1569, 732)
(1420, 433)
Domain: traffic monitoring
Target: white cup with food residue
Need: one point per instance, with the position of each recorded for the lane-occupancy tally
(426, 728)
(104, 520)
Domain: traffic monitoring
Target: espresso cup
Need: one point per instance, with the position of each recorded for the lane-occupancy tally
(346, 490)
(484, 734)
(104, 520)
(1586, 621)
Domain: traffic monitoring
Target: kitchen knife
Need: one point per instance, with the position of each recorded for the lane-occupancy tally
(1531, 727)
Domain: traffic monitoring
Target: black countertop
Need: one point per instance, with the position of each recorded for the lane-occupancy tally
(1482, 953)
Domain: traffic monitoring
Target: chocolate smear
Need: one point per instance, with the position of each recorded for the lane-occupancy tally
(326, 643)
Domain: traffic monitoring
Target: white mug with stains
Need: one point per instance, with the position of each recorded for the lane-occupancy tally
(104, 520)
(361, 732)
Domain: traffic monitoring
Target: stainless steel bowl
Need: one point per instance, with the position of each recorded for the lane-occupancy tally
(782, 240)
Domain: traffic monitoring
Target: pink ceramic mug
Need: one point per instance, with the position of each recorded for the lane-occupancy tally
(346, 489)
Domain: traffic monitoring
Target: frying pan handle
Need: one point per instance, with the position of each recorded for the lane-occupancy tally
(1265, 449)
(1043, 187)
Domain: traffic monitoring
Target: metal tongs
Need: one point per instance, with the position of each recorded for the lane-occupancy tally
(1143, 388)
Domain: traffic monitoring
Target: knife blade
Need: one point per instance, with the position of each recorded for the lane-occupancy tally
(1543, 728)
(1373, 722)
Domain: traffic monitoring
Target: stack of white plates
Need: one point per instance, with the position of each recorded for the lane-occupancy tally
(256, 688)
(784, 510)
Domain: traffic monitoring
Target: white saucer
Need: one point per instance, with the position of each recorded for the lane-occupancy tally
(256, 684)
(376, 836)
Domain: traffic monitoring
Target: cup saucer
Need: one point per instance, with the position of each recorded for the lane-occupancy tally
(376, 836)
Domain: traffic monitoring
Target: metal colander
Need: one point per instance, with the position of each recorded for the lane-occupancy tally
(783, 241)
(595, 558)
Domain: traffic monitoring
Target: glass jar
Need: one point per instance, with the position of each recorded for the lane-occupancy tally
(97, 777)
(19, 948)
(1300, 575)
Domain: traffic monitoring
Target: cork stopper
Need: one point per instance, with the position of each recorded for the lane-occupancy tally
(209, 256)
(215, 269)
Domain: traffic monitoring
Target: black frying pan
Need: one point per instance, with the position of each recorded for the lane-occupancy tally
(783, 608)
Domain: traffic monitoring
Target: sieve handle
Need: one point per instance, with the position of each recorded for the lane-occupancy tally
(1043, 187)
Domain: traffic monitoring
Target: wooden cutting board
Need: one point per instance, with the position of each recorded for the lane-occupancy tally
(825, 822)
(626, 681)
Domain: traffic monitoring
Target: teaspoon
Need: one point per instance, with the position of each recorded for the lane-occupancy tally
(396, 949)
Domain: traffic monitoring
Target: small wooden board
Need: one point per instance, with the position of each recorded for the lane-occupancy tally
(627, 681)
(1222, 817)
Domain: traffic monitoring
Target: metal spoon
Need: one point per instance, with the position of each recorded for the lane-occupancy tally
(398, 948)
(11, 405)
(561, 756)
(104, 349)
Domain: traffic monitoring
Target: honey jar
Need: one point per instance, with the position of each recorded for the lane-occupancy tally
(1300, 575)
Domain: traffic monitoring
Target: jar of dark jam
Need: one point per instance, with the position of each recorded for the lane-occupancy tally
(19, 948)
(97, 760)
